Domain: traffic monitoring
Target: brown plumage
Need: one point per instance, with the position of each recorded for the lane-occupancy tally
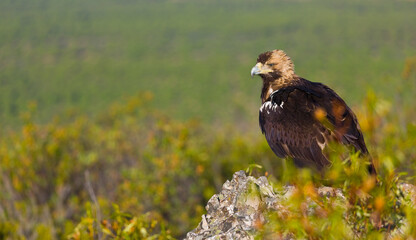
(299, 118)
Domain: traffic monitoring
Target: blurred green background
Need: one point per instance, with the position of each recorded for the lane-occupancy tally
(153, 101)
(195, 56)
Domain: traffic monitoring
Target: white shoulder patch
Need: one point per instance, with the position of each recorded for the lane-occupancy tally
(268, 106)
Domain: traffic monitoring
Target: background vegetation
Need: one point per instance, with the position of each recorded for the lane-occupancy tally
(194, 55)
(75, 164)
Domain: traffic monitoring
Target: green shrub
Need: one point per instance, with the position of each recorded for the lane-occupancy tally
(161, 170)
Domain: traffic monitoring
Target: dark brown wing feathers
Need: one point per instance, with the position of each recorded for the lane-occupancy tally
(292, 129)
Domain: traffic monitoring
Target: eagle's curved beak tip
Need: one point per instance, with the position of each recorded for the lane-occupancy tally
(255, 70)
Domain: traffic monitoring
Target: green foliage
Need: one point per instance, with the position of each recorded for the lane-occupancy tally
(137, 158)
(370, 208)
(161, 173)
(57, 177)
(120, 226)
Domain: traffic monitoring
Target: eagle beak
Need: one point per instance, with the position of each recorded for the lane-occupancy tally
(256, 69)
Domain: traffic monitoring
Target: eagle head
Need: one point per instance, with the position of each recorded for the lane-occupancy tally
(274, 64)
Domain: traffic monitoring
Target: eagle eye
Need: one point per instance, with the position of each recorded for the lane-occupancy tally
(271, 64)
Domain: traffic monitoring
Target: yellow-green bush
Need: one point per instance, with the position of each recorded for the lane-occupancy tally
(64, 178)
(135, 157)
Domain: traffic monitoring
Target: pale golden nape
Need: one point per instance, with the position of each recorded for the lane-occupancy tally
(274, 64)
(280, 61)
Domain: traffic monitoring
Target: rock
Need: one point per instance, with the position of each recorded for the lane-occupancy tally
(242, 207)
(238, 209)
(232, 214)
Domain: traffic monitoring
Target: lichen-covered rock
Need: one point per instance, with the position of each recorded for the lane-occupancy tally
(234, 213)
(242, 207)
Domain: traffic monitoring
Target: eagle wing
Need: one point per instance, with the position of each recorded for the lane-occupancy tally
(299, 122)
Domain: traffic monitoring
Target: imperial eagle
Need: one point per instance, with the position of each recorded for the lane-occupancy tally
(299, 118)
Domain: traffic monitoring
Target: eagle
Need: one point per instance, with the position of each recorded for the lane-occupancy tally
(300, 118)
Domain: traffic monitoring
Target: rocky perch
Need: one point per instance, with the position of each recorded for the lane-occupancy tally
(244, 204)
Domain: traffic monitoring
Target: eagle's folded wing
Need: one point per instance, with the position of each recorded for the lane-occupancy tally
(300, 121)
